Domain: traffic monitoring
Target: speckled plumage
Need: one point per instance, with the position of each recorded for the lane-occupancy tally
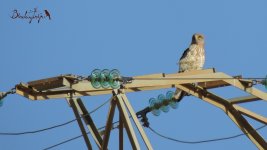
(193, 58)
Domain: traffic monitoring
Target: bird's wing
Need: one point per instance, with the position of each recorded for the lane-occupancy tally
(185, 53)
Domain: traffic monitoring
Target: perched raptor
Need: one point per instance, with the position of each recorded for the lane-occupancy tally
(193, 58)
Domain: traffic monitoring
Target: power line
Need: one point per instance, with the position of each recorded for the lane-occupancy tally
(163, 136)
(76, 137)
(201, 141)
(154, 131)
(68, 122)
(63, 142)
(40, 130)
(157, 133)
(52, 127)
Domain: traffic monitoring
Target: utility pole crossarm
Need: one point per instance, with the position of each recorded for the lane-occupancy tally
(62, 86)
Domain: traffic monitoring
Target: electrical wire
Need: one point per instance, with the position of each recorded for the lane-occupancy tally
(201, 141)
(63, 142)
(154, 131)
(76, 137)
(40, 130)
(163, 136)
(52, 127)
(68, 122)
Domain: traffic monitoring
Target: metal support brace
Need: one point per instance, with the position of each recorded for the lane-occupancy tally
(109, 124)
(76, 113)
(120, 132)
(251, 114)
(123, 104)
(67, 86)
(136, 121)
(128, 124)
(230, 110)
(89, 122)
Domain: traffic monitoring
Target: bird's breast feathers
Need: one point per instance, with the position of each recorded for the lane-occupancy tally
(194, 58)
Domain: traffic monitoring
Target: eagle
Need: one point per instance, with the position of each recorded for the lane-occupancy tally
(193, 58)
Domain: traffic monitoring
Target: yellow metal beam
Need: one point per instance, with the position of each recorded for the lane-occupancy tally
(243, 99)
(127, 123)
(136, 121)
(141, 83)
(230, 110)
(78, 118)
(250, 90)
(89, 122)
(121, 132)
(69, 87)
(109, 124)
(251, 114)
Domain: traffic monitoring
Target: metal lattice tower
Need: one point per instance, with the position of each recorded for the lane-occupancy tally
(72, 87)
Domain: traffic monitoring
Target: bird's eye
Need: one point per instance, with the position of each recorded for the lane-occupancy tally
(199, 38)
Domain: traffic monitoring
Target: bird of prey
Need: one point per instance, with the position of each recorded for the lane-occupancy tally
(193, 58)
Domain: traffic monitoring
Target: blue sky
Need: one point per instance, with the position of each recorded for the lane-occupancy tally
(137, 37)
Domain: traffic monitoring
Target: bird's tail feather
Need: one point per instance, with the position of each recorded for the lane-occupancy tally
(178, 95)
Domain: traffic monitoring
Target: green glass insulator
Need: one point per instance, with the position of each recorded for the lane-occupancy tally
(154, 110)
(104, 78)
(114, 77)
(95, 78)
(172, 103)
(163, 102)
(169, 95)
